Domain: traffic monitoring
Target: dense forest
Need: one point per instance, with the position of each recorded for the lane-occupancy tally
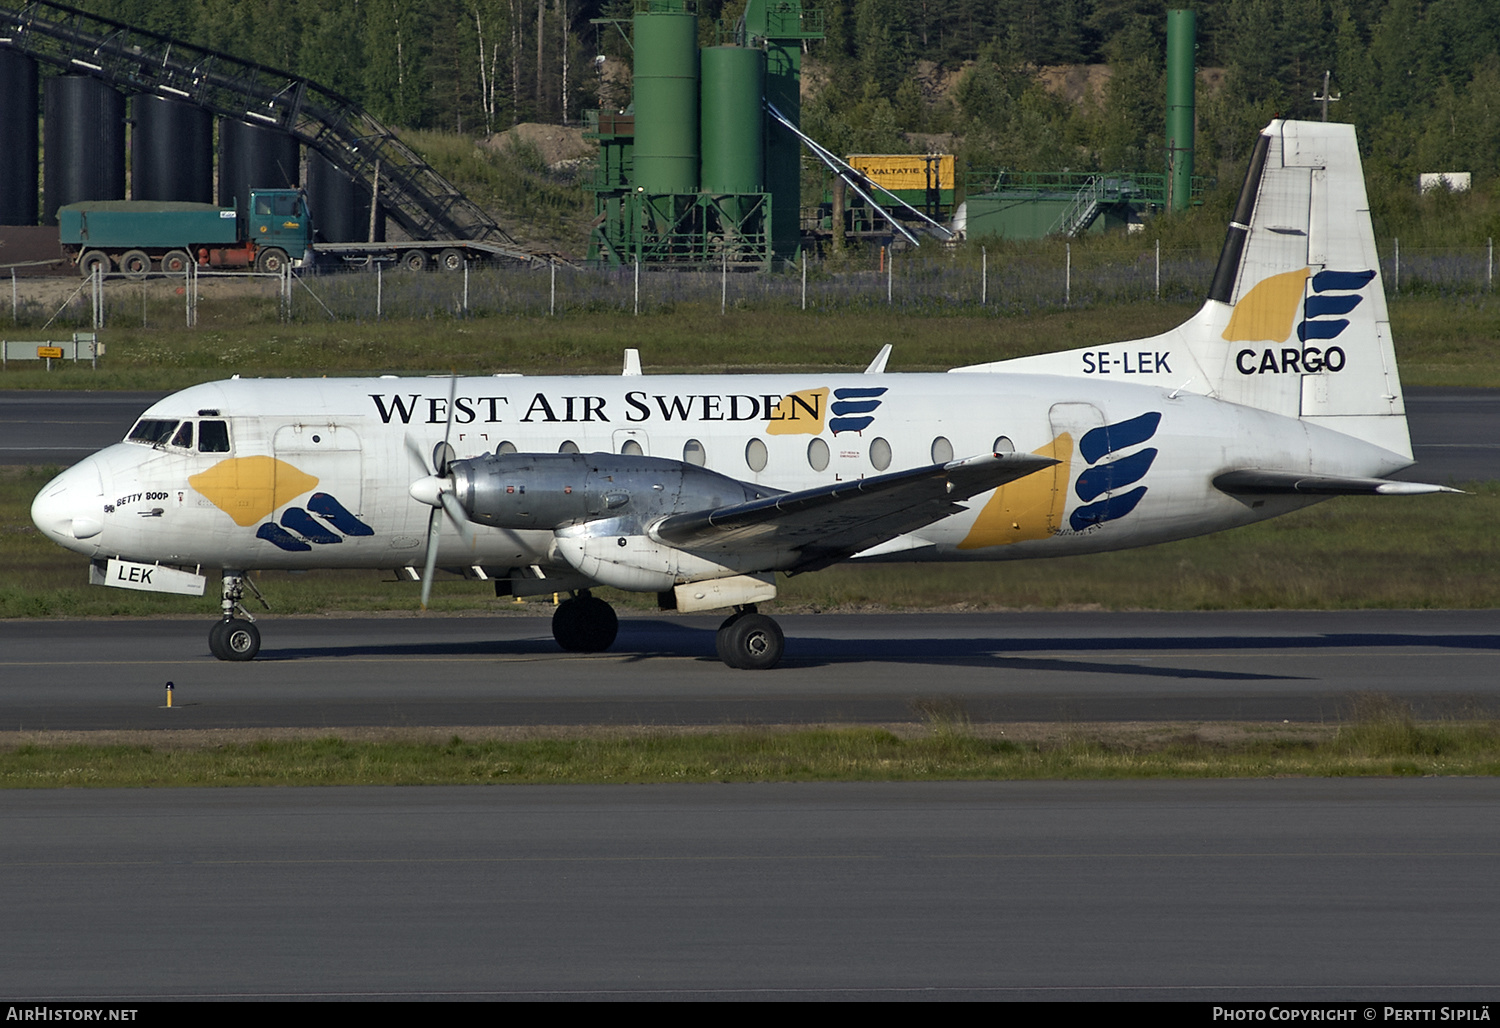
(1419, 78)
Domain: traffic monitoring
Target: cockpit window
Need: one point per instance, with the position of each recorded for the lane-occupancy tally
(151, 431)
(213, 437)
(184, 436)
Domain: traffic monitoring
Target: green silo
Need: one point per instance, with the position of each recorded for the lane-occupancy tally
(666, 100)
(733, 135)
(1182, 33)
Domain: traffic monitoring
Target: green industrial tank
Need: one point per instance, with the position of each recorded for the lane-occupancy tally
(666, 101)
(733, 137)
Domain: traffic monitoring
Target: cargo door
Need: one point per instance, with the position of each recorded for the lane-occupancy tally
(320, 468)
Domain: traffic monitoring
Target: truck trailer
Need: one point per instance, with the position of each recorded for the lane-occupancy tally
(137, 237)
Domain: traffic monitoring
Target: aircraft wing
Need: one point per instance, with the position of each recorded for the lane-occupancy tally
(1257, 482)
(829, 523)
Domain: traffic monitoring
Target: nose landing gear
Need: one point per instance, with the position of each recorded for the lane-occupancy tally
(234, 638)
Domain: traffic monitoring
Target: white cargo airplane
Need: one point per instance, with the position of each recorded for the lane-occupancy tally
(1281, 391)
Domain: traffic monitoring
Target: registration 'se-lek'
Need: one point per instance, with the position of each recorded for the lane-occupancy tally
(1281, 391)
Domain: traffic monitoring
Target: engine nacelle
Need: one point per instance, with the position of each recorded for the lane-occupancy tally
(552, 490)
(612, 552)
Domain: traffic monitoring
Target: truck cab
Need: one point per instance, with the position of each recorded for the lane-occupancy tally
(279, 218)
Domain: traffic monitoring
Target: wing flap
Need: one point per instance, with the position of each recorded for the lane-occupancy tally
(829, 523)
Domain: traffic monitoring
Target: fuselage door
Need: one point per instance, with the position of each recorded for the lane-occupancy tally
(329, 453)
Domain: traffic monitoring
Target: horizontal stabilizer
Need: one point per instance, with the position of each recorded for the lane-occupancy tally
(1261, 483)
(829, 523)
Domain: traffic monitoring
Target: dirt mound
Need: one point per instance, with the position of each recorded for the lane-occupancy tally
(559, 145)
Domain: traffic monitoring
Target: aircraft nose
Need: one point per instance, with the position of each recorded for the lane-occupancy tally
(70, 509)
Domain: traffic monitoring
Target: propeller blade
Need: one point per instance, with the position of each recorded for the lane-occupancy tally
(434, 529)
(419, 459)
(455, 510)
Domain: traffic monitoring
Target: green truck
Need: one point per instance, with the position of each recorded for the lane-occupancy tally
(137, 237)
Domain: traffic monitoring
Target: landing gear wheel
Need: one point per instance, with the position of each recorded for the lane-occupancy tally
(723, 633)
(453, 260)
(414, 260)
(585, 624)
(234, 639)
(751, 642)
(135, 264)
(271, 261)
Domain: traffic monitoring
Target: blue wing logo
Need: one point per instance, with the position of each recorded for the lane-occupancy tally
(1100, 485)
(332, 518)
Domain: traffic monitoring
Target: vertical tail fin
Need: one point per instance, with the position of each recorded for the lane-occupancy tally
(1296, 319)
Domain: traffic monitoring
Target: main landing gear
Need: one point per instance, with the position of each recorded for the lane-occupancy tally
(234, 638)
(749, 641)
(585, 624)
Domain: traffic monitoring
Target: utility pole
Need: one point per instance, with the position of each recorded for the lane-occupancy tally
(1325, 98)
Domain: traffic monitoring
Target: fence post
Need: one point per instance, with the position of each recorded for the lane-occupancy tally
(379, 289)
(984, 277)
(98, 277)
(466, 287)
(890, 268)
(1068, 275)
(13, 306)
(724, 285)
(552, 296)
(638, 284)
(1489, 266)
(1398, 264)
(804, 280)
(1158, 269)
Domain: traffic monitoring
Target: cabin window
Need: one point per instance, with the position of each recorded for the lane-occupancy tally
(755, 455)
(693, 453)
(1004, 445)
(632, 449)
(152, 431)
(817, 455)
(184, 436)
(506, 446)
(213, 437)
(568, 446)
(880, 453)
(942, 450)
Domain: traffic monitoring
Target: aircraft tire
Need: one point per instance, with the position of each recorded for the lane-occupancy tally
(585, 624)
(234, 640)
(722, 635)
(752, 642)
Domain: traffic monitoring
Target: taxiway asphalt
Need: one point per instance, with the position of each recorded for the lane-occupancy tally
(1283, 891)
(865, 668)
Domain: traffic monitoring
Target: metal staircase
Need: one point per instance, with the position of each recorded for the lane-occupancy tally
(422, 202)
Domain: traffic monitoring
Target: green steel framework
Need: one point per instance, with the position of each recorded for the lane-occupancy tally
(694, 172)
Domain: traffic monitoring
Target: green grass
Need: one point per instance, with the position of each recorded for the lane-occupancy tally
(1379, 739)
(1440, 341)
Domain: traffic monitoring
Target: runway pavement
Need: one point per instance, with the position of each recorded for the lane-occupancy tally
(1455, 432)
(431, 670)
(1284, 891)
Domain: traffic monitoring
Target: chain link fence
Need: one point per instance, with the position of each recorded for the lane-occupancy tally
(973, 281)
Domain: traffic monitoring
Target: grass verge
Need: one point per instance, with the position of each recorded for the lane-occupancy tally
(1446, 341)
(1380, 738)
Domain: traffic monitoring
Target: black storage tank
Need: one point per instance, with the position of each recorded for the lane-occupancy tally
(340, 206)
(85, 143)
(254, 157)
(18, 155)
(171, 150)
